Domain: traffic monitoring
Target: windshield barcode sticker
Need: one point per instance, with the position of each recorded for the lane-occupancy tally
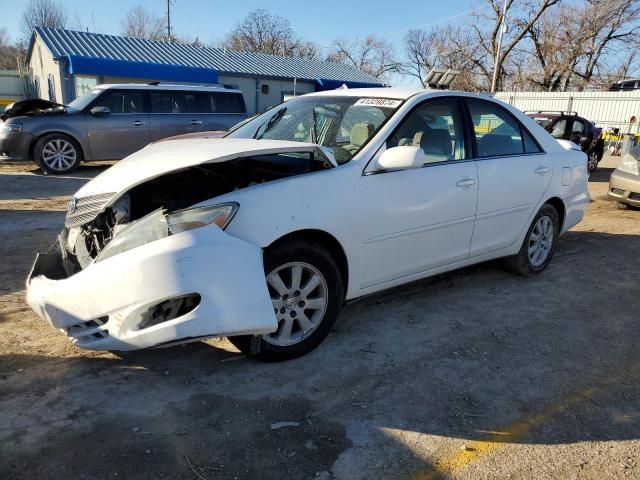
(379, 102)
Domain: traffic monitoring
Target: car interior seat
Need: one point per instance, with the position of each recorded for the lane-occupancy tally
(493, 144)
(360, 133)
(436, 145)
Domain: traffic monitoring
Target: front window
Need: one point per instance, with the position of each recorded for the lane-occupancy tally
(85, 99)
(436, 127)
(341, 124)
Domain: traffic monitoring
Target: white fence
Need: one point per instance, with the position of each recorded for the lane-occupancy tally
(605, 109)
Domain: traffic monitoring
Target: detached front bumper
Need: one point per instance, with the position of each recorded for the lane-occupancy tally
(102, 306)
(624, 187)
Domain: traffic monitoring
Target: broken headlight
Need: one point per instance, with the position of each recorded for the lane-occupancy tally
(157, 225)
(197, 217)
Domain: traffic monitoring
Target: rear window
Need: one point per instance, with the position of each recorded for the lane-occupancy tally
(218, 102)
(498, 133)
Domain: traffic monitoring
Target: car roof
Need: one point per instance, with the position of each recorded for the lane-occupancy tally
(382, 92)
(168, 86)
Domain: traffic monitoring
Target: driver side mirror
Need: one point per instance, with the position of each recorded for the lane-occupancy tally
(100, 111)
(401, 158)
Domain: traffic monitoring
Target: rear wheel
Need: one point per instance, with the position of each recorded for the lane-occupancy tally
(539, 244)
(592, 160)
(57, 153)
(306, 293)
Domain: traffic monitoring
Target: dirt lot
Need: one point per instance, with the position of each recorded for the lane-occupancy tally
(475, 374)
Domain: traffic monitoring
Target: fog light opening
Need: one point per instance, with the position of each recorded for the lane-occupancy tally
(168, 310)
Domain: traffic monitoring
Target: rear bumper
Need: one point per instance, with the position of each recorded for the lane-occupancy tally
(624, 187)
(15, 146)
(576, 207)
(101, 307)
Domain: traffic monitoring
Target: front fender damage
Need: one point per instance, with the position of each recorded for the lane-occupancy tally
(106, 306)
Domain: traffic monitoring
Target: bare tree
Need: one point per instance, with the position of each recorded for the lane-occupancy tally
(372, 55)
(522, 15)
(263, 32)
(445, 47)
(141, 23)
(573, 47)
(8, 53)
(605, 25)
(41, 13)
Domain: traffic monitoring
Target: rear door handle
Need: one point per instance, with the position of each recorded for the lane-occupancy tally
(137, 123)
(465, 182)
(196, 122)
(542, 170)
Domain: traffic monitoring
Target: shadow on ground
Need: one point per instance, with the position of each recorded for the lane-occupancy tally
(37, 185)
(475, 355)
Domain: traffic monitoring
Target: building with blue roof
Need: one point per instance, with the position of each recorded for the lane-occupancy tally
(64, 64)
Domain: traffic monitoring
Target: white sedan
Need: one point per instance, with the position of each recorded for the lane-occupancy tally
(263, 235)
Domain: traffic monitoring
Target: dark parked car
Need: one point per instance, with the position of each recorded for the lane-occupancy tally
(112, 121)
(625, 85)
(579, 130)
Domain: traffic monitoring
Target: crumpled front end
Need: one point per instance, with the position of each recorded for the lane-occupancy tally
(195, 284)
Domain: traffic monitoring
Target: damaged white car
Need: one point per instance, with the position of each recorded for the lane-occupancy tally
(263, 235)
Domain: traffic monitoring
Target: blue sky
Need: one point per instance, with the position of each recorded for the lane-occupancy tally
(320, 22)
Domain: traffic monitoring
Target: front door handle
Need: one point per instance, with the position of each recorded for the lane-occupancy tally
(465, 182)
(137, 123)
(542, 170)
(196, 122)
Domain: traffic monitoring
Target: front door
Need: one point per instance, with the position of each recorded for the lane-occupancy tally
(121, 132)
(513, 173)
(420, 219)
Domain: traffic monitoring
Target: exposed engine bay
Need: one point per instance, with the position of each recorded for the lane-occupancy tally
(175, 191)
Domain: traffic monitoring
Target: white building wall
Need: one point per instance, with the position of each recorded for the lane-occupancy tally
(41, 65)
(605, 109)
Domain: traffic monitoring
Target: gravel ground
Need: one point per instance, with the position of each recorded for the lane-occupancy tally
(469, 375)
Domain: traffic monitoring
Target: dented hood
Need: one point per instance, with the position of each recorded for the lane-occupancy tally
(168, 156)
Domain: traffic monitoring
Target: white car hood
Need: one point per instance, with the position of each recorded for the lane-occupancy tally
(166, 156)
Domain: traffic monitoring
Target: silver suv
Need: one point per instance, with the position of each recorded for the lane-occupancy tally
(112, 121)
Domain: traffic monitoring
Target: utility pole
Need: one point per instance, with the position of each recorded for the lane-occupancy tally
(169, 20)
(496, 67)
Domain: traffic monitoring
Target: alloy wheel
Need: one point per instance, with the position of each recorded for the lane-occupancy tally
(541, 241)
(592, 162)
(59, 155)
(299, 295)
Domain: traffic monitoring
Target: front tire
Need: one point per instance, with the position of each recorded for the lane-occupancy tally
(539, 244)
(57, 153)
(307, 293)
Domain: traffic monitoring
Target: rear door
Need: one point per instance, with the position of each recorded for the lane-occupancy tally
(513, 174)
(174, 112)
(124, 131)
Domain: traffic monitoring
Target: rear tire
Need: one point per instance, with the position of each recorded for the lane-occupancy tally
(539, 244)
(57, 153)
(592, 160)
(305, 312)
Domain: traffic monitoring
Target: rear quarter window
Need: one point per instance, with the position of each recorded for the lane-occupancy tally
(219, 102)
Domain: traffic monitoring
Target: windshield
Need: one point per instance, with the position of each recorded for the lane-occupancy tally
(342, 124)
(85, 99)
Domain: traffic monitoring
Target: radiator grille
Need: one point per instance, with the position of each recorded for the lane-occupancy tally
(86, 209)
